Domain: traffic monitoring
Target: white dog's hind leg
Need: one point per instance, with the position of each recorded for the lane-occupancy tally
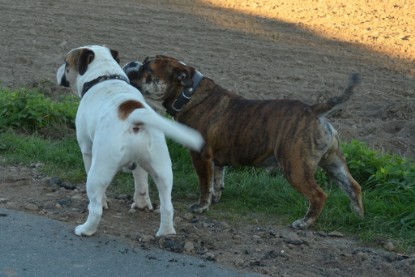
(141, 194)
(96, 186)
(87, 158)
(164, 183)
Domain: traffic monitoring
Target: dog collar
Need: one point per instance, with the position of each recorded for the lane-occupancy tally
(100, 79)
(185, 96)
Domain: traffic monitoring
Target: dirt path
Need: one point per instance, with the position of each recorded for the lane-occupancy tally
(258, 56)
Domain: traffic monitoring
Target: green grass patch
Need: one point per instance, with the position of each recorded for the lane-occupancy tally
(250, 196)
(61, 157)
(29, 110)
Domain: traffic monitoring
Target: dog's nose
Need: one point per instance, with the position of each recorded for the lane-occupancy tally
(60, 76)
(64, 82)
(133, 66)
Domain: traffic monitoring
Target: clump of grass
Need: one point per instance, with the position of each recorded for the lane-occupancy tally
(374, 170)
(29, 110)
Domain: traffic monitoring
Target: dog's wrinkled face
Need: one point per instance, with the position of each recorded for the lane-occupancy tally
(159, 76)
(76, 64)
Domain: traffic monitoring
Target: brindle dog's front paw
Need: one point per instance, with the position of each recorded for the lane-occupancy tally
(216, 196)
(199, 208)
(302, 224)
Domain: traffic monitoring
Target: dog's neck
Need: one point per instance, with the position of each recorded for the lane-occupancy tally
(100, 79)
(185, 95)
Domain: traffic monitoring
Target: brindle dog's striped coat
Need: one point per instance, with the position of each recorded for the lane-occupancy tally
(288, 133)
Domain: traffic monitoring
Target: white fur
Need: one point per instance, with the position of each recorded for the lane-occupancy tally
(108, 143)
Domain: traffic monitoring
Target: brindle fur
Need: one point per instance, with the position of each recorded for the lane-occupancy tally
(263, 133)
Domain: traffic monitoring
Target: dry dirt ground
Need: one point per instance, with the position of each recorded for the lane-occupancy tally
(260, 49)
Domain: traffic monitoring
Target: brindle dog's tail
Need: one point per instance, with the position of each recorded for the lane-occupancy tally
(327, 107)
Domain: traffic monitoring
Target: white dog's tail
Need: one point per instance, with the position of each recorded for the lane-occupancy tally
(176, 131)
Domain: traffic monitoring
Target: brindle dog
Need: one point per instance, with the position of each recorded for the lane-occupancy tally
(241, 132)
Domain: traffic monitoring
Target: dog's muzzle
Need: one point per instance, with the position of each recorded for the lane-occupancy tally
(60, 76)
(132, 67)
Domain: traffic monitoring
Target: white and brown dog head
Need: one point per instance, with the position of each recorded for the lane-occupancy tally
(86, 64)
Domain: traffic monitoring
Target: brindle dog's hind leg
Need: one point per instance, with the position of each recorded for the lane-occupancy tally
(301, 176)
(335, 165)
(219, 184)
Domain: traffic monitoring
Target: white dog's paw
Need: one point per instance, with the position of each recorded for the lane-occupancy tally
(82, 230)
(105, 205)
(142, 205)
(165, 231)
(105, 202)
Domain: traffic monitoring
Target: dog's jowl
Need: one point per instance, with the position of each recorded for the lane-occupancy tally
(240, 132)
(116, 129)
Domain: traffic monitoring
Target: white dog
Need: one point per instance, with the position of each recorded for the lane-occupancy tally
(116, 128)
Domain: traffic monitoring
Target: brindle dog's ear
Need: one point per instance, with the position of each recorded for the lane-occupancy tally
(115, 55)
(85, 58)
(185, 78)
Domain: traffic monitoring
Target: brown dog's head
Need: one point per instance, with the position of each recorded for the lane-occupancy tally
(80, 60)
(160, 77)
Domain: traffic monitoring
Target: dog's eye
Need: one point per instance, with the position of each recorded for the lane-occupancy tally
(147, 72)
(148, 69)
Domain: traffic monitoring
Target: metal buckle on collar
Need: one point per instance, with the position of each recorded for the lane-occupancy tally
(190, 90)
(174, 108)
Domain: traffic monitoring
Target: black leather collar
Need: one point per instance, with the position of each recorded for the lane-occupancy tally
(185, 96)
(100, 79)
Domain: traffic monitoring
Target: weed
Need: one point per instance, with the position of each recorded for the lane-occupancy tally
(31, 110)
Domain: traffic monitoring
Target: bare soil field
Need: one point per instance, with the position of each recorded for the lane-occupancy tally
(260, 49)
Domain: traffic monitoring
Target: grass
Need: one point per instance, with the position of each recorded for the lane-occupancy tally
(62, 158)
(251, 195)
(29, 110)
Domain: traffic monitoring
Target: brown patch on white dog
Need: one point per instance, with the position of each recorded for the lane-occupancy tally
(127, 107)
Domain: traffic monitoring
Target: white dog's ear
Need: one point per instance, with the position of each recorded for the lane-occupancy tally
(85, 58)
(115, 55)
